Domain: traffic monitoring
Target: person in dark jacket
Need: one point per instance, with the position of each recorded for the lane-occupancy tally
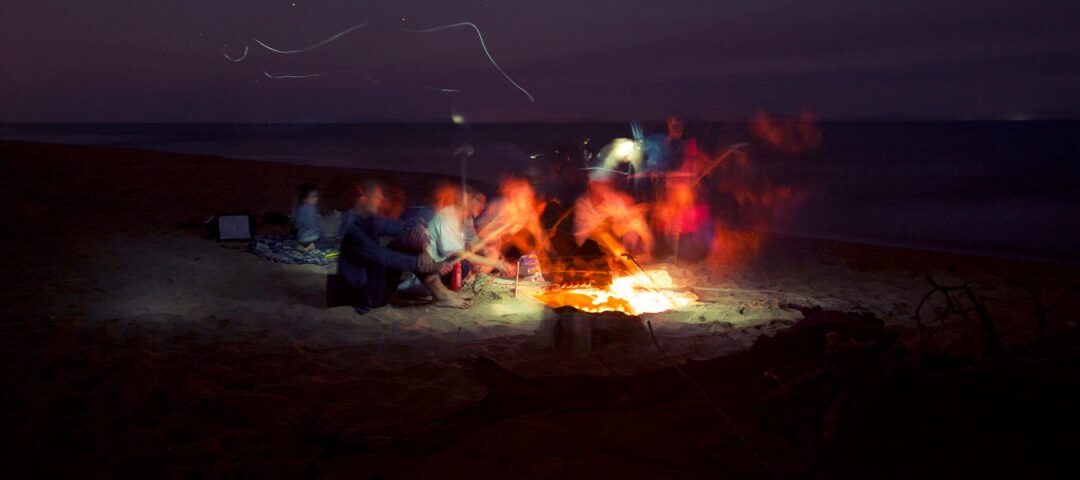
(372, 271)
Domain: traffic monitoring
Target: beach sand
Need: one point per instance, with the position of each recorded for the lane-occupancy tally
(135, 346)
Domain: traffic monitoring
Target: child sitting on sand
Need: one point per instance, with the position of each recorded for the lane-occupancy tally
(306, 217)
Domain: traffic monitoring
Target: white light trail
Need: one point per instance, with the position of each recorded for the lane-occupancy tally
(290, 77)
(313, 47)
(225, 51)
(482, 45)
(443, 90)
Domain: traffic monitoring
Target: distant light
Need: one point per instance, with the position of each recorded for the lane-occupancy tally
(457, 118)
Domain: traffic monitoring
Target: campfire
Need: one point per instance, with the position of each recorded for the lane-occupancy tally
(650, 291)
(629, 209)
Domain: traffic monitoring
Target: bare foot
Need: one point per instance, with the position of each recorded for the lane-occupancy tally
(452, 302)
(444, 297)
(465, 295)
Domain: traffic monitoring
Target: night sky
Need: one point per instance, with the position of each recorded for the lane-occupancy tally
(162, 61)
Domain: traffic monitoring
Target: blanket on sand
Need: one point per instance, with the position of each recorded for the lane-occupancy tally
(279, 249)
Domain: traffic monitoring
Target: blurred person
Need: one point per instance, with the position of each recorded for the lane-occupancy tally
(512, 222)
(305, 218)
(675, 143)
(613, 220)
(452, 232)
(373, 271)
(664, 152)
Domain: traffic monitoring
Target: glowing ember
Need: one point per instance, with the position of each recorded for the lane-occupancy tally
(632, 295)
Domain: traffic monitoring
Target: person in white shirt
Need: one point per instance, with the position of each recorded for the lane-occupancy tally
(453, 233)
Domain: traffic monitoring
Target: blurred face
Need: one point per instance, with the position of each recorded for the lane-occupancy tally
(312, 198)
(675, 127)
(477, 205)
(372, 200)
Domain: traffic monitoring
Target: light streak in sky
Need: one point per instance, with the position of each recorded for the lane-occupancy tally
(368, 78)
(313, 47)
(365, 76)
(443, 90)
(482, 45)
(290, 77)
(241, 58)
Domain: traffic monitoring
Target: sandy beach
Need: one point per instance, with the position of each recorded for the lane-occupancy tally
(125, 329)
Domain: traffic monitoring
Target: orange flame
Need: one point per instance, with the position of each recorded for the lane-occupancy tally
(513, 220)
(612, 219)
(649, 292)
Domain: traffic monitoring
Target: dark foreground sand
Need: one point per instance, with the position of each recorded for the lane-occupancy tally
(132, 346)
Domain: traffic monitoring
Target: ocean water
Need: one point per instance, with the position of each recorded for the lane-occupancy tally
(997, 188)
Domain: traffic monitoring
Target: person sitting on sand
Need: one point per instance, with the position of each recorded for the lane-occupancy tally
(373, 271)
(306, 217)
(452, 232)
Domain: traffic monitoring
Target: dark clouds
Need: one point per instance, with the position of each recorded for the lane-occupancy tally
(143, 60)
